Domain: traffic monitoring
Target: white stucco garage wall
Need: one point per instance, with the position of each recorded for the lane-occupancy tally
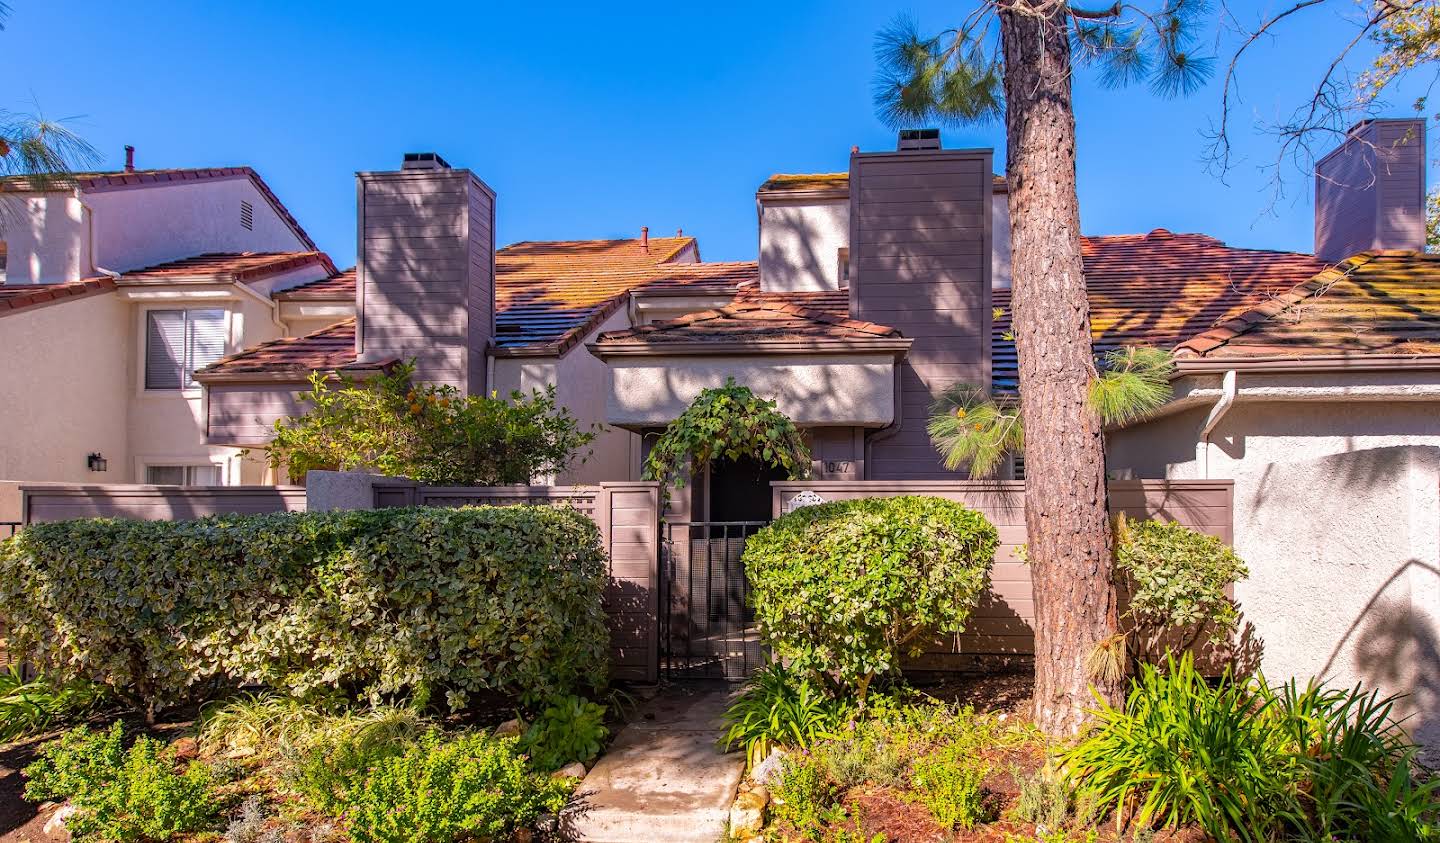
(1337, 512)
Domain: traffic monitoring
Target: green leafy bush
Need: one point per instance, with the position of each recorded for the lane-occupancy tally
(843, 590)
(473, 786)
(570, 729)
(1240, 759)
(779, 708)
(805, 801)
(948, 783)
(1175, 580)
(325, 762)
(382, 603)
(427, 432)
(120, 794)
(29, 707)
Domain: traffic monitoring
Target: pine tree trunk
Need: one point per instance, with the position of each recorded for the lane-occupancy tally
(1065, 503)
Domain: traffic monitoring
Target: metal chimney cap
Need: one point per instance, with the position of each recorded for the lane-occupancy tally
(424, 161)
(918, 139)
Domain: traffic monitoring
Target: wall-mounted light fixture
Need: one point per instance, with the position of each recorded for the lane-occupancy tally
(97, 462)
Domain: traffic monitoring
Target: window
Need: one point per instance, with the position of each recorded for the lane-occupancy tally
(844, 267)
(4, 260)
(184, 475)
(1019, 467)
(247, 215)
(177, 342)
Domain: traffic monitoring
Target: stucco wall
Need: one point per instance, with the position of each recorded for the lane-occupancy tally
(45, 238)
(800, 243)
(1000, 241)
(168, 427)
(581, 385)
(143, 226)
(813, 390)
(1337, 512)
(65, 392)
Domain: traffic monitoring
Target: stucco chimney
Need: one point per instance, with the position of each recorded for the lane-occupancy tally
(645, 237)
(425, 270)
(1370, 191)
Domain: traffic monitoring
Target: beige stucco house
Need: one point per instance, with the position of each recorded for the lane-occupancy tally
(1312, 381)
(116, 287)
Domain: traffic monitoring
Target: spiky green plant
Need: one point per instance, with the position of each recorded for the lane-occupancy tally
(971, 428)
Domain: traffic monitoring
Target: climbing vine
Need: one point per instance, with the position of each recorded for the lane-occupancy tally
(728, 422)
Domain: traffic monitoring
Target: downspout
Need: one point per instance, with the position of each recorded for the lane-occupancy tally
(1228, 390)
(890, 429)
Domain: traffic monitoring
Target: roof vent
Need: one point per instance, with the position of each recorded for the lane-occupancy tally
(1160, 234)
(424, 161)
(911, 139)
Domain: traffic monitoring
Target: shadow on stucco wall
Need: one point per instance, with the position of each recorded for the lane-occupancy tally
(1392, 647)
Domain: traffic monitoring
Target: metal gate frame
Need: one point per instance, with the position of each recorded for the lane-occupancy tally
(707, 627)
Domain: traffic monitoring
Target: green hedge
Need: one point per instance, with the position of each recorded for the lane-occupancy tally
(844, 590)
(390, 602)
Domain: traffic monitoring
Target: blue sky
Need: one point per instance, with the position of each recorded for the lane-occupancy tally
(592, 120)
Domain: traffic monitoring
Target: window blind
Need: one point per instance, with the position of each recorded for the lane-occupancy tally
(177, 342)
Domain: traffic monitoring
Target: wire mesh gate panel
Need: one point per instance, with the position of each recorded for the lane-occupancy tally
(707, 628)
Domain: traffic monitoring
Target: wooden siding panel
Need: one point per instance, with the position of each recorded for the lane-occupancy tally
(245, 414)
(920, 235)
(155, 503)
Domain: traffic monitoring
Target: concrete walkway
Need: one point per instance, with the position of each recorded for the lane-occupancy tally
(664, 778)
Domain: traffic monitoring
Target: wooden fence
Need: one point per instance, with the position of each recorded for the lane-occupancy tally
(628, 515)
(1002, 625)
(42, 503)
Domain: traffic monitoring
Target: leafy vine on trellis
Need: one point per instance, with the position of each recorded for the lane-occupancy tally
(728, 422)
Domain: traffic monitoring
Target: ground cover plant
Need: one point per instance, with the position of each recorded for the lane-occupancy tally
(267, 767)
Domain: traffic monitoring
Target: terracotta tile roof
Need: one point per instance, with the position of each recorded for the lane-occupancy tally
(756, 316)
(239, 267)
(338, 287)
(548, 296)
(116, 179)
(1373, 303)
(1161, 289)
(16, 297)
(838, 182)
(329, 349)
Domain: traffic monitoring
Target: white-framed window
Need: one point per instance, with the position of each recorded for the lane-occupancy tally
(843, 255)
(177, 342)
(185, 475)
(4, 260)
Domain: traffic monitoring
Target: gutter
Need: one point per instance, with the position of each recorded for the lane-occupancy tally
(898, 346)
(1229, 389)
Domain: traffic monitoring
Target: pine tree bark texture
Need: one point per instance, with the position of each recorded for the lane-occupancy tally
(1065, 504)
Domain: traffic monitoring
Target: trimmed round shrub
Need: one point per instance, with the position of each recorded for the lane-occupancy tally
(1175, 580)
(843, 590)
(389, 603)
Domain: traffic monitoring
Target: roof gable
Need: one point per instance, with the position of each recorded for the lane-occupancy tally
(122, 179)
